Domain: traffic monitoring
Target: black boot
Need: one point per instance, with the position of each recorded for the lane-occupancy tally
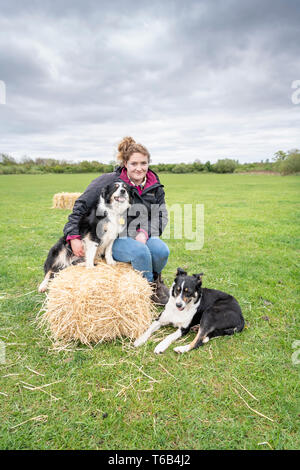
(161, 293)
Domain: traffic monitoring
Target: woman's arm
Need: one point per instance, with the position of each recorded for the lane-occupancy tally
(85, 202)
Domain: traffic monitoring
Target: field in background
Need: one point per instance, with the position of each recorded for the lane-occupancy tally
(116, 397)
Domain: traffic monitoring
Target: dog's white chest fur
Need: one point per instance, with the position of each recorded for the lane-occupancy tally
(112, 228)
(171, 315)
(180, 319)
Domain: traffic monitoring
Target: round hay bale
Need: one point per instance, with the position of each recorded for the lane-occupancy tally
(64, 200)
(92, 305)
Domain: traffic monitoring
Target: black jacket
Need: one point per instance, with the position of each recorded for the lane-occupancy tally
(152, 200)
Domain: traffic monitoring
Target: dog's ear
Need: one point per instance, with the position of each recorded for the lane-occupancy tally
(181, 272)
(103, 192)
(199, 278)
(106, 193)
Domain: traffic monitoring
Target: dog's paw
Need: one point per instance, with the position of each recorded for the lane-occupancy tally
(182, 349)
(111, 262)
(160, 348)
(42, 287)
(138, 342)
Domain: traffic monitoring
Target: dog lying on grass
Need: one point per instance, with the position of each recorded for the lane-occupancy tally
(189, 304)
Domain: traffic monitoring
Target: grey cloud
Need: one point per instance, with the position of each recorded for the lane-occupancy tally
(145, 66)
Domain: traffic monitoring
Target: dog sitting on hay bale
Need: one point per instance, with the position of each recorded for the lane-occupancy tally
(64, 200)
(92, 305)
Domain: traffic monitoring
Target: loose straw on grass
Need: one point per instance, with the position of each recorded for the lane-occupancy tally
(41, 418)
(252, 396)
(252, 409)
(34, 371)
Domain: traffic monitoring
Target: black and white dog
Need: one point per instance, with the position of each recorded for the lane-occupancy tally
(98, 231)
(189, 304)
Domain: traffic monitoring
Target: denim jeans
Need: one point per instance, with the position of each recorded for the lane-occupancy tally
(148, 258)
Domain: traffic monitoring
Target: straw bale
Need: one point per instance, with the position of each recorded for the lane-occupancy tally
(92, 305)
(64, 200)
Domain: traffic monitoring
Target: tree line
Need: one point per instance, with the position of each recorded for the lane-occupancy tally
(282, 162)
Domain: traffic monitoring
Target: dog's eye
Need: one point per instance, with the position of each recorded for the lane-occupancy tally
(178, 289)
(187, 292)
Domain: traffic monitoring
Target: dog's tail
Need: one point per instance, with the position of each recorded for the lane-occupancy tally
(239, 327)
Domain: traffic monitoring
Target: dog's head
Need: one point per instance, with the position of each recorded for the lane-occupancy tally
(186, 289)
(118, 195)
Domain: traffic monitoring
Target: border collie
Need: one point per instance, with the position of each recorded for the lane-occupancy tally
(98, 231)
(189, 304)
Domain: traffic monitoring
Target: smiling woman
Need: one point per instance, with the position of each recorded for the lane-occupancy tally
(146, 220)
(135, 158)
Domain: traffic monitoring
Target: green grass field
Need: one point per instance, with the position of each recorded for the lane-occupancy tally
(117, 397)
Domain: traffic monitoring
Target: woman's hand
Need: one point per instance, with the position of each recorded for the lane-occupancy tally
(141, 237)
(77, 247)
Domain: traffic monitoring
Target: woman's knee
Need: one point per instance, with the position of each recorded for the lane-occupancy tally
(128, 250)
(142, 252)
(164, 251)
(158, 248)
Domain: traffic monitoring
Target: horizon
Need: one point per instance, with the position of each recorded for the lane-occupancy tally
(22, 160)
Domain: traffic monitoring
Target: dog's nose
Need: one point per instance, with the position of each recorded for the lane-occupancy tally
(122, 191)
(178, 305)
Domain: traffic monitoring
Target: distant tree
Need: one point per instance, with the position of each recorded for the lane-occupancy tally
(51, 162)
(41, 161)
(57, 169)
(197, 166)
(181, 168)
(225, 165)
(279, 156)
(7, 159)
(291, 164)
(207, 166)
(27, 162)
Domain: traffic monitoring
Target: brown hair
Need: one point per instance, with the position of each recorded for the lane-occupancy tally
(127, 147)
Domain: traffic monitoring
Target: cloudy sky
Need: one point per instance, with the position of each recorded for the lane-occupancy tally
(189, 79)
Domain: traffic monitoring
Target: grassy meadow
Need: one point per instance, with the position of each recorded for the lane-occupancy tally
(237, 392)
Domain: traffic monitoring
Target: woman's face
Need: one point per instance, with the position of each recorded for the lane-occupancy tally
(137, 167)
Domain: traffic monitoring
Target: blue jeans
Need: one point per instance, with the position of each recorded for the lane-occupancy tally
(148, 258)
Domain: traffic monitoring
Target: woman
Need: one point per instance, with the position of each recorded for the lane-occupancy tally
(142, 248)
